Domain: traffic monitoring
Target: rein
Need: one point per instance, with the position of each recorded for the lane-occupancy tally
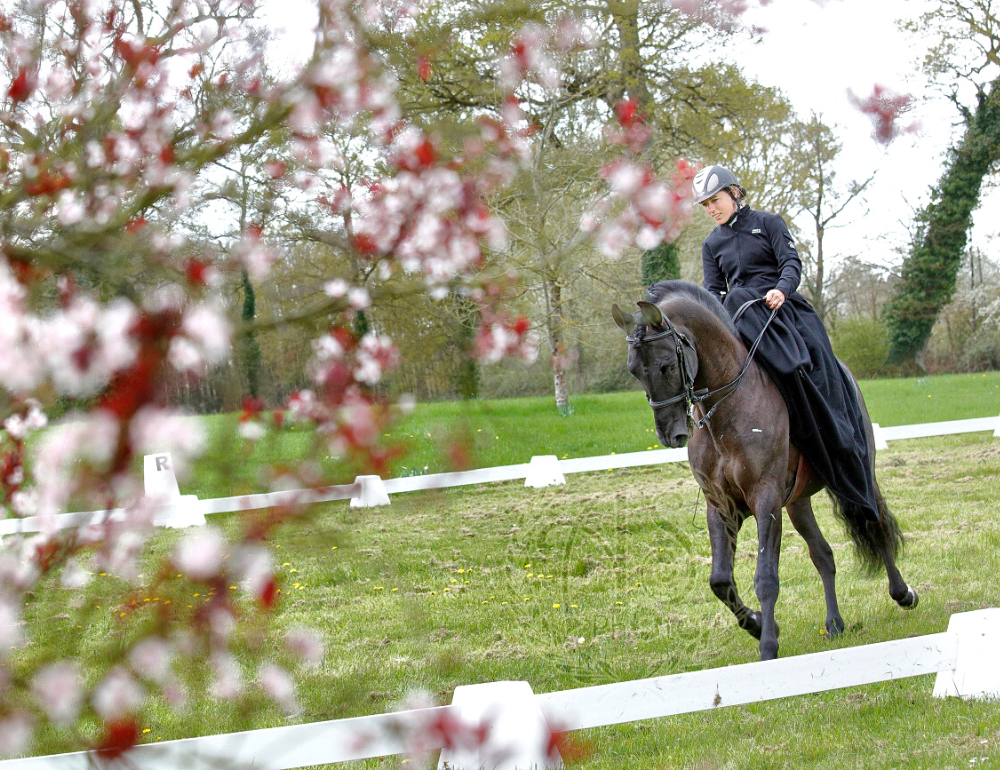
(689, 395)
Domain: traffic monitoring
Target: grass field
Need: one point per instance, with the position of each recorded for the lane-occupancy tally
(511, 431)
(606, 579)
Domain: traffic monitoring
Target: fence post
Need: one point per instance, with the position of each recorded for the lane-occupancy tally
(880, 442)
(371, 492)
(160, 486)
(508, 727)
(544, 471)
(976, 674)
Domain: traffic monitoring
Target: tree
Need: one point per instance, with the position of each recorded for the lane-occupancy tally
(661, 263)
(968, 47)
(112, 117)
(816, 150)
(626, 62)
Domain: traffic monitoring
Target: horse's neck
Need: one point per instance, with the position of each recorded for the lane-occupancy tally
(721, 354)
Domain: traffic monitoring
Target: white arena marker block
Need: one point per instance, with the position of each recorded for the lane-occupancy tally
(180, 513)
(544, 471)
(160, 485)
(371, 492)
(517, 735)
(158, 477)
(977, 667)
(880, 442)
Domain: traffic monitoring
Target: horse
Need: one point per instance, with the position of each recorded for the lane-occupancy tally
(699, 376)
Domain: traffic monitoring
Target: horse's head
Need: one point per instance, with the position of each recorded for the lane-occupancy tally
(665, 362)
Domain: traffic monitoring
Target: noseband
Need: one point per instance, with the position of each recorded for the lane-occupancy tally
(688, 394)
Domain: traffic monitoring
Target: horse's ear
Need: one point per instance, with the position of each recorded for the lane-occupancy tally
(626, 324)
(650, 313)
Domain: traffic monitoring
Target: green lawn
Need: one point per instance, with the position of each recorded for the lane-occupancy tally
(511, 431)
(600, 580)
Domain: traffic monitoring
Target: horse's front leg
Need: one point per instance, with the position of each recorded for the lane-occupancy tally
(767, 511)
(723, 529)
(800, 513)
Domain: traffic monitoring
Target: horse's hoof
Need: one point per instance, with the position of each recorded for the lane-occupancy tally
(834, 627)
(911, 599)
(751, 624)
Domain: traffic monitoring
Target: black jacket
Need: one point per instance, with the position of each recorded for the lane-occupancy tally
(755, 250)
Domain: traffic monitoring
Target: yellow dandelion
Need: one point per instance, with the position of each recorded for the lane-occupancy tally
(555, 606)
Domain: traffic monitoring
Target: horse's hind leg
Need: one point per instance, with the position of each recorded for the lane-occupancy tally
(722, 533)
(886, 535)
(801, 515)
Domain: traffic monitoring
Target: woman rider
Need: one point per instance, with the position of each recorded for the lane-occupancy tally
(749, 256)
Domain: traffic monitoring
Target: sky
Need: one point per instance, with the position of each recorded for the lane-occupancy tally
(815, 51)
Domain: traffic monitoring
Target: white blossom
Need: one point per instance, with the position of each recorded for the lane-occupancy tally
(59, 691)
(200, 554)
(117, 695)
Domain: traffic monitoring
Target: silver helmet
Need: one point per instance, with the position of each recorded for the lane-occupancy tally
(710, 180)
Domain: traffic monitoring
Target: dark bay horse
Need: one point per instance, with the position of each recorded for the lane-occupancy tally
(696, 370)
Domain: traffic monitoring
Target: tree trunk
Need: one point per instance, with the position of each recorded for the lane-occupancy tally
(250, 350)
(633, 74)
(557, 343)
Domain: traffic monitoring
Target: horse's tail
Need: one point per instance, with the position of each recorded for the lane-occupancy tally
(871, 539)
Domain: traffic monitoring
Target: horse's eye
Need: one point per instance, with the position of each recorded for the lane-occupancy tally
(666, 368)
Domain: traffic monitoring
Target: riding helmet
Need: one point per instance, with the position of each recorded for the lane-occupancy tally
(710, 180)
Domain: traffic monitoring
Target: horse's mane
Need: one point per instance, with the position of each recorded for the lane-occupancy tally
(664, 289)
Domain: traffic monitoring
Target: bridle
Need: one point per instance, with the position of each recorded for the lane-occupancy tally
(688, 394)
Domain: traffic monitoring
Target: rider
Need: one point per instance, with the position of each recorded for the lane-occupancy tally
(750, 256)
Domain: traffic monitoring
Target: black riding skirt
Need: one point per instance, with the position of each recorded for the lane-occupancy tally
(826, 420)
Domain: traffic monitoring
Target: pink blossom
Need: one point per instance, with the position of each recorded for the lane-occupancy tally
(16, 732)
(74, 576)
(117, 695)
(252, 430)
(301, 405)
(154, 430)
(277, 683)
(305, 643)
(89, 344)
(885, 108)
(58, 690)
(200, 554)
(721, 14)
(228, 683)
(18, 426)
(375, 356)
(254, 568)
(152, 658)
(255, 256)
(206, 339)
(11, 626)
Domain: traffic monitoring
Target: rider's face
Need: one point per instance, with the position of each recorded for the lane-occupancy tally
(720, 206)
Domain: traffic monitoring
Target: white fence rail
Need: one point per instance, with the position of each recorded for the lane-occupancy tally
(522, 723)
(546, 470)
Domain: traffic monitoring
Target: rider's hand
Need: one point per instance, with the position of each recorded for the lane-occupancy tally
(774, 299)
